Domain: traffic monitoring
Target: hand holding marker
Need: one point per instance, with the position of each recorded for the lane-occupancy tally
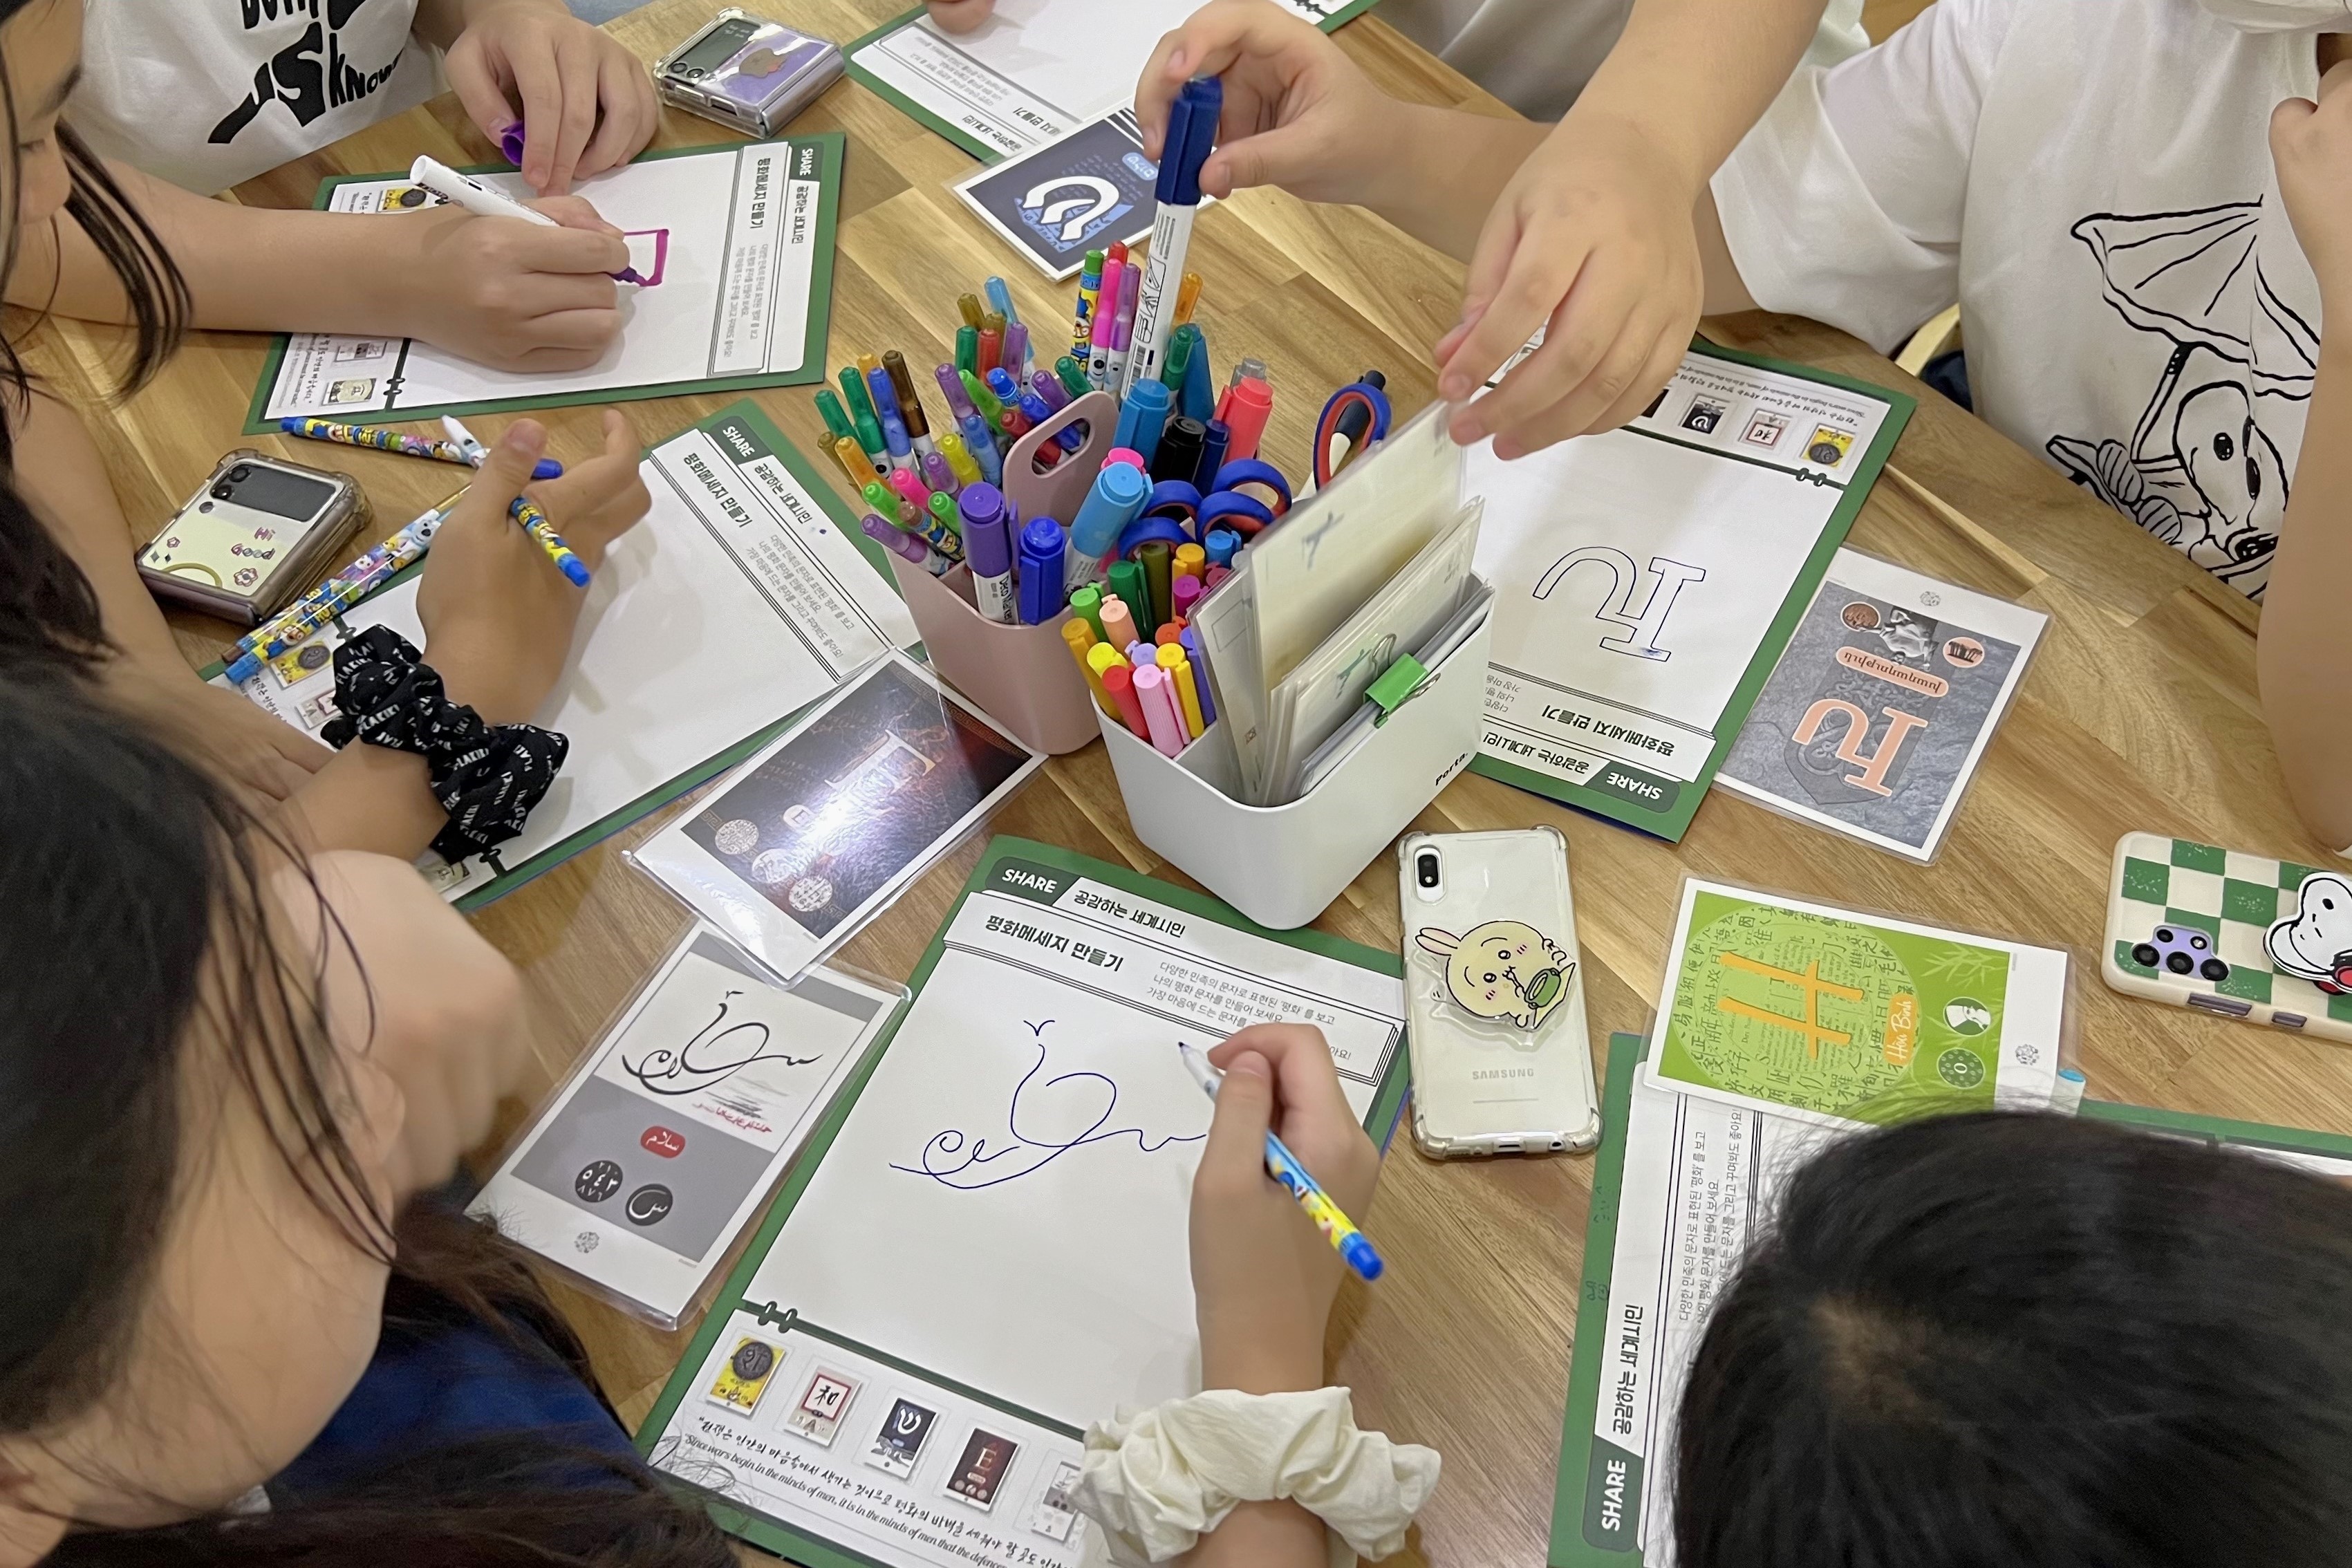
(1192, 132)
(1351, 1244)
(483, 202)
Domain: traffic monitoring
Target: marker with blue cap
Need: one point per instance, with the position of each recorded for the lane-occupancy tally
(1116, 495)
(1041, 594)
(1142, 418)
(1192, 132)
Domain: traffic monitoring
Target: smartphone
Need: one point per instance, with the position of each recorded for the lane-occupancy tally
(256, 533)
(748, 72)
(1494, 996)
(2244, 936)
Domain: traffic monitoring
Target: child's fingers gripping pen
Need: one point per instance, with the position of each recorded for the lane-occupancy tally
(1354, 1248)
(534, 523)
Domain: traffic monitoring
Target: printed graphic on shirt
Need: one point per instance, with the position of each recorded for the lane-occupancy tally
(313, 73)
(2200, 472)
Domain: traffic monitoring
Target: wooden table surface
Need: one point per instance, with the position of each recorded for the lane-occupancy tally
(2138, 713)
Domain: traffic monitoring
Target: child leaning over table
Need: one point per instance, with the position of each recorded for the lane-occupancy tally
(2139, 208)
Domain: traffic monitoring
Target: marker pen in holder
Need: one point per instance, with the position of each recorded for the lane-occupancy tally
(988, 550)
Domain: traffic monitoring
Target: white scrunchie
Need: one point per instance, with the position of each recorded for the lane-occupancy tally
(1155, 1482)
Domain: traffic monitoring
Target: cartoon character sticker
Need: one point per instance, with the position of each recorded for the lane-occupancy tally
(1503, 969)
(2315, 942)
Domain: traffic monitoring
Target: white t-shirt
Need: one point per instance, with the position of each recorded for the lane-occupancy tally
(207, 93)
(1537, 54)
(2092, 181)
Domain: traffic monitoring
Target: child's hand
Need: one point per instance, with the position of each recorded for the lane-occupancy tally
(505, 293)
(1592, 241)
(1263, 1276)
(960, 15)
(1297, 111)
(498, 615)
(587, 103)
(258, 754)
(2312, 143)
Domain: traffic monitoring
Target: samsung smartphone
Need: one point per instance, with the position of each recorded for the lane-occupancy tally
(1494, 1002)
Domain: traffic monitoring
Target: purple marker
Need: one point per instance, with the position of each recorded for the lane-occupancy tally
(937, 474)
(510, 142)
(1015, 352)
(1192, 641)
(898, 542)
(988, 550)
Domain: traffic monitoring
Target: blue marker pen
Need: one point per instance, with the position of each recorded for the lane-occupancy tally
(1142, 418)
(1221, 544)
(1218, 437)
(1041, 594)
(895, 437)
(1115, 500)
(1192, 641)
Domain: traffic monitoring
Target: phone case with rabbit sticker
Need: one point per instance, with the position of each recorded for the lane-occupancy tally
(1501, 1061)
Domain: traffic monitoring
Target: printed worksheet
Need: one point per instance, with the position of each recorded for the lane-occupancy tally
(1681, 1187)
(640, 1172)
(1035, 70)
(990, 1249)
(1646, 580)
(745, 595)
(1873, 720)
(1837, 1018)
(734, 242)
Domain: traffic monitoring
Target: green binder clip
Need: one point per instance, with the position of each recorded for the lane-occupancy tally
(1400, 684)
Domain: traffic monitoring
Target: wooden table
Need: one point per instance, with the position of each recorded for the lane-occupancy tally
(2139, 714)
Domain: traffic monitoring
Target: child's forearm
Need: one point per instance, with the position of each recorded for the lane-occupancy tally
(237, 261)
(1447, 168)
(1263, 1535)
(62, 478)
(2305, 654)
(1738, 56)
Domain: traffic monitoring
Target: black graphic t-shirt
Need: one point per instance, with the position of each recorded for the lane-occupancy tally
(207, 93)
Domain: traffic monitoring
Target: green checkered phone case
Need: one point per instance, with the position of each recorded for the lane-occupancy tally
(2198, 926)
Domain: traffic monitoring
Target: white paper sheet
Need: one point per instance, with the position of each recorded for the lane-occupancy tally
(735, 603)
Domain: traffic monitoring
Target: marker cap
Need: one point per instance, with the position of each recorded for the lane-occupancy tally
(1247, 408)
(1178, 456)
(1127, 455)
(1117, 494)
(1192, 132)
(1142, 418)
(1120, 681)
(987, 542)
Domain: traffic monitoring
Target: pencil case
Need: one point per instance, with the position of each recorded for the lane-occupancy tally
(1283, 865)
(1022, 677)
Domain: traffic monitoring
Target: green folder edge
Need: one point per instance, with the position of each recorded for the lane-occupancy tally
(970, 143)
(815, 1551)
(819, 316)
(554, 855)
(1569, 1548)
(1674, 821)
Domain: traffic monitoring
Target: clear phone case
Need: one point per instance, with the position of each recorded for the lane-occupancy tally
(1495, 995)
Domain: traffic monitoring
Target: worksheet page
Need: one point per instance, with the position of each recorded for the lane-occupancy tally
(732, 241)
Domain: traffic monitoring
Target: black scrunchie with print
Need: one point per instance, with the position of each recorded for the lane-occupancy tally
(487, 777)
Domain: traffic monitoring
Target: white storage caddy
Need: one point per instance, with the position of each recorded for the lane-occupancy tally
(1283, 865)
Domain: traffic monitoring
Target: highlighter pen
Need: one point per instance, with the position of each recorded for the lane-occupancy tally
(1120, 681)
(990, 408)
(1122, 340)
(1081, 642)
(1015, 355)
(988, 550)
(943, 526)
(835, 417)
(1065, 439)
(1191, 643)
(991, 342)
(1187, 296)
(880, 498)
(1105, 313)
(978, 439)
(1086, 604)
(899, 542)
(910, 407)
(917, 493)
(1000, 299)
(1165, 719)
(894, 436)
(1072, 375)
(1192, 132)
(867, 365)
(939, 474)
(968, 306)
(1284, 1167)
(1180, 355)
(1155, 557)
(1089, 290)
(861, 411)
(960, 459)
(855, 463)
(967, 348)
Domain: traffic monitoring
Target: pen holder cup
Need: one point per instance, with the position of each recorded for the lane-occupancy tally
(1022, 677)
(1283, 865)
(1060, 490)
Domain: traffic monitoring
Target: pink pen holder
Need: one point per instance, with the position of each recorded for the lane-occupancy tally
(1058, 491)
(1022, 677)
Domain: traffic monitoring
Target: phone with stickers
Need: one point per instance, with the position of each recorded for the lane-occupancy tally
(1494, 997)
(2244, 936)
